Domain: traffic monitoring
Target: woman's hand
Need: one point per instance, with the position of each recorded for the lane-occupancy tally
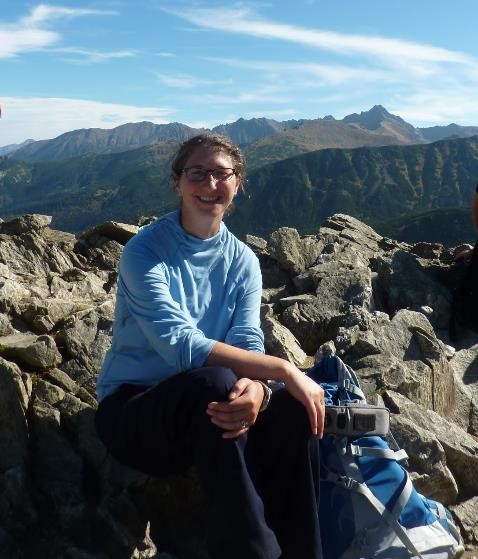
(240, 412)
(310, 394)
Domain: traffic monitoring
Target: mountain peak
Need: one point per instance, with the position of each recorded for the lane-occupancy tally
(379, 118)
(373, 118)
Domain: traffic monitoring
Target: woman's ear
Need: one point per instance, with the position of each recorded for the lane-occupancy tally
(175, 181)
(239, 185)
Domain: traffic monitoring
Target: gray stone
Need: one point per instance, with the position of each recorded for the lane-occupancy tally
(467, 514)
(26, 224)
(274, 294)
(5, 326)
(409, 286)
(308, 324)
(465, 364)
(280, 341)
(34, 351)
(427, 460)
(461, 449)
(120, 232)
(425, 375)
(285, 247)
(13, 423)
(256, 243)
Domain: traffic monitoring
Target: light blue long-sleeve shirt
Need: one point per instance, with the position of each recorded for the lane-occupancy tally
(177, 296)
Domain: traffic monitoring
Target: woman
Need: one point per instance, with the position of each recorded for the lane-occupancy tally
(181, 383)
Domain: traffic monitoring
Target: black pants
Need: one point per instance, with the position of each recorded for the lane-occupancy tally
(261, 488)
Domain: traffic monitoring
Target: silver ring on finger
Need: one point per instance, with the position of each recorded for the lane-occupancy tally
(244, 424)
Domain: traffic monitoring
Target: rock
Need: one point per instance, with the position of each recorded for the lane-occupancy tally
(256, 243)
(274, 294)
(407, 285)
(381, 305)
(120, 232)
(427, 460)
(13, 423)
(467, 514)
(465, 364)
(280, 341)
(415, 360)
(291, 252)
(34, 351)
(86, 336)
(26, 224)
(461, 449)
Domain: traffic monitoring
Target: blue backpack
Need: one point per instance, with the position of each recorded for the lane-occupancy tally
(368, 505)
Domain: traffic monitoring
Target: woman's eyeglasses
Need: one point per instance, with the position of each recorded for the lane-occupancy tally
(198, 174)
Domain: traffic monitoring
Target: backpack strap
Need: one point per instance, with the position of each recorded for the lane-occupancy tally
(440, 511)
(391, 518)
(347, 381)
(386, 453)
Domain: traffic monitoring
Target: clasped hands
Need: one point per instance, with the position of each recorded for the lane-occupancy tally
(239, 413)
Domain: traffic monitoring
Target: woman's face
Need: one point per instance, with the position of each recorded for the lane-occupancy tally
(204, 202)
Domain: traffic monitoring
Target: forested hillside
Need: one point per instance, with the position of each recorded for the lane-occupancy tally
(389, 187)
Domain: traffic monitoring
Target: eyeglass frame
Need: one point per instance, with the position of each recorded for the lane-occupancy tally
(209, 172)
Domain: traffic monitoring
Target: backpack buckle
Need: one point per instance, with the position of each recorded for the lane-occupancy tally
(355, 450)
(347, 482)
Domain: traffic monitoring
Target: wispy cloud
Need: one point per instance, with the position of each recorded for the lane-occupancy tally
(429, 106)
(15, 40)
(186, 81)
(280, 114)
(264, 95)
(89, 55)
(32, 33)
(245, 21)
(30, 117)
(419, 81)
(329, 74)
(45, 13)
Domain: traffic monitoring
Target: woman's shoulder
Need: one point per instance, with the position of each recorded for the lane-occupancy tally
(238, 249)
(152, 240)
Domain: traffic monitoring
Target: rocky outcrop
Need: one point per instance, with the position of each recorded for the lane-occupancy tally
(383, 305)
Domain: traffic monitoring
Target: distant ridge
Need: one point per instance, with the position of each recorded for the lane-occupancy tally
(5, 150)
(245, 132)
(265, 140)
(99, 140)
(435, 133)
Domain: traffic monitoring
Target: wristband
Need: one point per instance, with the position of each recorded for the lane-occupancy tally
(267, 396)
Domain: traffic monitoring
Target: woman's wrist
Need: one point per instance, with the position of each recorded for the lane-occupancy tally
(266, 398)
(289, 372)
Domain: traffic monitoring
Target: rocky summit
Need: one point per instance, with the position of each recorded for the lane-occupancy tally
(381, 305)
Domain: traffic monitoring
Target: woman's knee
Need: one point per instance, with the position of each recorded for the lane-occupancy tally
(215, 381)
(288, 415)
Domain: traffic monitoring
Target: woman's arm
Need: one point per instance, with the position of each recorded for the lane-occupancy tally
(245, 327)
(254, 365)
(474, 208)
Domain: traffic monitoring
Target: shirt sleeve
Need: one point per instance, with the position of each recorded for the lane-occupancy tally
(166, 326)
(245, 331)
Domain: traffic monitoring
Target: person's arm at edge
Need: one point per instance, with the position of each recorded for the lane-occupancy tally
(258, 366)
(474, 208)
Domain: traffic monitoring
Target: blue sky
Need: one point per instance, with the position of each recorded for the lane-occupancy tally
(101, 63)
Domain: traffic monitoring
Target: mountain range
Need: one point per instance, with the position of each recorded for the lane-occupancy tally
(372, 165)
(266, 137)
